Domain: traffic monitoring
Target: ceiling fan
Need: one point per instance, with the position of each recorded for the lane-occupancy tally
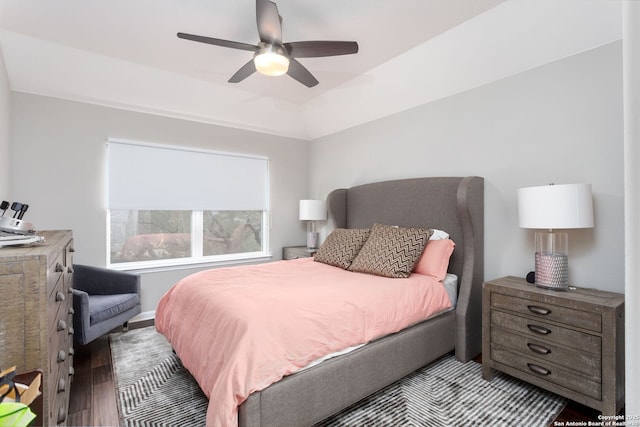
(271, 56)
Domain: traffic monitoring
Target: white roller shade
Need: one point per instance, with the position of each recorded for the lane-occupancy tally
(145, 176)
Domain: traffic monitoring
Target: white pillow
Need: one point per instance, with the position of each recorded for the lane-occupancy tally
(438, 234)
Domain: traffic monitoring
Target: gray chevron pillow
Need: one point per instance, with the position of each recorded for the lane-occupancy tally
(391, 251)
(342, 246)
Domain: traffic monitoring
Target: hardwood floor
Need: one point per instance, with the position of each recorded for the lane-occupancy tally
(93, 394)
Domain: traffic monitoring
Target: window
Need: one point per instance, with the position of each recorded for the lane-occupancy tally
(172, 205)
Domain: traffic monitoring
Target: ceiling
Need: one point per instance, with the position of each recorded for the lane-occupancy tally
(126, 54)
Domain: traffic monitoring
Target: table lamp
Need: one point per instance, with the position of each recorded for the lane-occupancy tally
(552, 207)
(312, 211)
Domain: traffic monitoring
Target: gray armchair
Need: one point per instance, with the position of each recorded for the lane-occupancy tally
(103, 299)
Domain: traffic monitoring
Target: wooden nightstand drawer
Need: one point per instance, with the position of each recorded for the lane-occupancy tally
(547, 332)
(549, 312)
(589, 364)
(548, 372)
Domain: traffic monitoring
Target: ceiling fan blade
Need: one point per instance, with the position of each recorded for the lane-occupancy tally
(268, 20)
(218, 42)
(301, 74)
(315, 49)
(245, 71)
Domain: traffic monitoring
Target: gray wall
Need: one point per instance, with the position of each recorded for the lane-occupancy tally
(5, 131)
(631, 55)
(58, 161)
(561, 123)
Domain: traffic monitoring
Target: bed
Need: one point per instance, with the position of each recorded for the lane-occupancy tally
(303, 398)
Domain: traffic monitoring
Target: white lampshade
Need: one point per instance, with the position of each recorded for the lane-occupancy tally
(556, 206)
(312, 210)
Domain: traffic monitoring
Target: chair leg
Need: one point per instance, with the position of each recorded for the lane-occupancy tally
(125, 327)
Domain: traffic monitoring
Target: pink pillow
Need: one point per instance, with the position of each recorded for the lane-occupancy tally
(434, 260)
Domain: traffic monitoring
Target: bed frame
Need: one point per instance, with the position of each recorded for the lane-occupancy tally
(453, 204)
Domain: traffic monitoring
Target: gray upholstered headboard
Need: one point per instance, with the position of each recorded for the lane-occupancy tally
(452, 204)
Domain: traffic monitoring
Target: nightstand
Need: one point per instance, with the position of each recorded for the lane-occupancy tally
(295, 252)
(568, 342)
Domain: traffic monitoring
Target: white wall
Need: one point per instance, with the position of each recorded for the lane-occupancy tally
(561, 122)
(58, 161)
(5, 131)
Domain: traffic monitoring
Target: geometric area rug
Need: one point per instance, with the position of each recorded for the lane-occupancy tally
(154, 389)
(152, 386)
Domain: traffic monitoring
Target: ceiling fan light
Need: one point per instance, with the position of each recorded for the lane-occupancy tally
(271, 64)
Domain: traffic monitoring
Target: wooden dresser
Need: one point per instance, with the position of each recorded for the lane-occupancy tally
(36, 328)
(568, 342)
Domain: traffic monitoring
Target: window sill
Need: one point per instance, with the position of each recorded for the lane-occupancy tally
(176, 264)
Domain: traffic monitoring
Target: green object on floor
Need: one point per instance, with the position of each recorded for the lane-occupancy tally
(15, 414)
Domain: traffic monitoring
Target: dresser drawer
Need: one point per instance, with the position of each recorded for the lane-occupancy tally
(60, 388)
(548, 372)
(60, 380)
(588, 364)
(62, 409)
(58, 299)
(547, 332)
(55, 271)
(549, 312)
(60, 346)
(60, 377)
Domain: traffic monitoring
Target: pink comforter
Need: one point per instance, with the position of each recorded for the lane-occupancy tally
(240, 329)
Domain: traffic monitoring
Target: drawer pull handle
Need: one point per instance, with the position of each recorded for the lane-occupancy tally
(70, 290)
(71, 330)
(71, 351)
(71, 310)
(71, 371)
(62, 325)
(59, 268)
(536, 348)
(70, 269)
(62, 356)
(539, 329)
(62, 385)
(59, 296)
(538, 369)
(539, 310)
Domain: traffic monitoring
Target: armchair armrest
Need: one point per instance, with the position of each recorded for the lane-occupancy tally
(103, 281)
(81, 315)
